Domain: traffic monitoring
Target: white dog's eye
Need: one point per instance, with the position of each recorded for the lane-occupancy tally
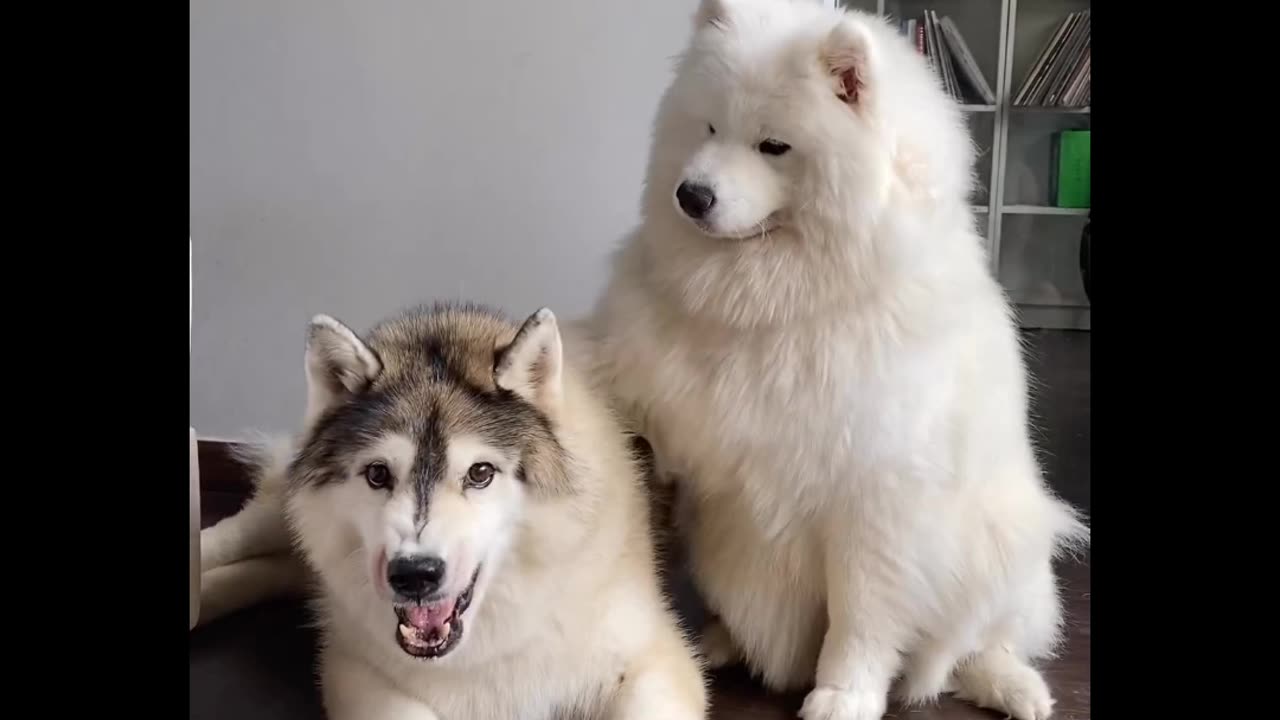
(712, 128)
(480, 475)
(773, 147)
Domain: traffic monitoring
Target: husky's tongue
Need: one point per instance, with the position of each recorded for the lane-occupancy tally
(431, 616)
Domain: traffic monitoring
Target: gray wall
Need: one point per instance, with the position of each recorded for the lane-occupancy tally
(351, 157)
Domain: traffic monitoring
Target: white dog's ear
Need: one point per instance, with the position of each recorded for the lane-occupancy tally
(339, 365)
(711, 12)
(847, 55)
(530, 365)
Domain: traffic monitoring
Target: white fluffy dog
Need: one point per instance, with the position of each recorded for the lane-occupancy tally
(806, 328)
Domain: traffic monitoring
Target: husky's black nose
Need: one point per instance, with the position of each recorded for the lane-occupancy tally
(695, 199)
(415, 576)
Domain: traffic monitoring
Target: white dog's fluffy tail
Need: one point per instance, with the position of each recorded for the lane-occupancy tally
(1072, 533)
(246, 558)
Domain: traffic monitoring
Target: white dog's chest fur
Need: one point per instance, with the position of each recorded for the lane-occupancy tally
(772, 418)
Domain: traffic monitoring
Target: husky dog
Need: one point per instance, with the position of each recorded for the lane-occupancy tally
(805, 327)
(477, 527)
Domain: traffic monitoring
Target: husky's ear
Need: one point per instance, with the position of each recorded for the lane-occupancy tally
(339, 365)
(530, 364)
(847, 54)
(711, 12)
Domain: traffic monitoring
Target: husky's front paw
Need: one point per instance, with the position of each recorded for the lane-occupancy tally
(830, 703)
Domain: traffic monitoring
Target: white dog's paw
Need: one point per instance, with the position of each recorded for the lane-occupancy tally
(829, 703)
(717, 646)
(1014, 689)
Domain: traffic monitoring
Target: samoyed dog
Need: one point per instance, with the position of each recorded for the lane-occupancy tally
(805, 327)
(474, 524)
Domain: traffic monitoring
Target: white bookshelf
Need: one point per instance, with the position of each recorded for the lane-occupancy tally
(1034, 247)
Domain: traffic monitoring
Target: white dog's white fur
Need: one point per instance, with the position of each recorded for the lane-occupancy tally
(826, 365)
(566, 616)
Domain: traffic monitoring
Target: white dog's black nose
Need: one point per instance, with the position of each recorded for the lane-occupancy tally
(415, 576)
(695, 199)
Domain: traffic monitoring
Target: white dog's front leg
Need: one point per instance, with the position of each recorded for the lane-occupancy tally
(860, 652)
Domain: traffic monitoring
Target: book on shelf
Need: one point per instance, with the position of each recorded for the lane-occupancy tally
(939, 40)
(1072, 172)
(944, 56)
(1060, 75)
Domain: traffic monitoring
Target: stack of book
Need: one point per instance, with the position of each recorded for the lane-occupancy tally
(1060, 75)
(939, 40)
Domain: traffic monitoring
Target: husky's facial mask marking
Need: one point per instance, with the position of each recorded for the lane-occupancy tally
(427, 440)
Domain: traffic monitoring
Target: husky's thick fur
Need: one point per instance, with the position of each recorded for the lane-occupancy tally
(805, 327)
(477, 527)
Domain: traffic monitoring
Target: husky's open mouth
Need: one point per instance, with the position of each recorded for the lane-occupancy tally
(434, 628)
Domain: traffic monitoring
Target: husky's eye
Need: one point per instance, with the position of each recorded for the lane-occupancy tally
(773, 147)
(712, 128)
(377, 475)
(480, 475)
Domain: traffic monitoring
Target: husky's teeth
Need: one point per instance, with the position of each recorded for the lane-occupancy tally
(444, 631)
(406, 630)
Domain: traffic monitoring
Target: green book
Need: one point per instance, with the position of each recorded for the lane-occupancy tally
(1071, 181)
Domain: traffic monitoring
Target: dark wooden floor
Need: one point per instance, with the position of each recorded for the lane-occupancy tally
(258, 664)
